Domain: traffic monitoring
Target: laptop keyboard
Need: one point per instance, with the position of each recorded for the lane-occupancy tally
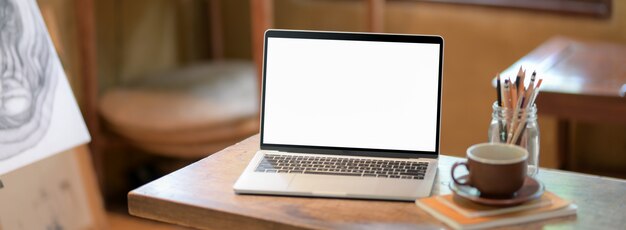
(277, 163)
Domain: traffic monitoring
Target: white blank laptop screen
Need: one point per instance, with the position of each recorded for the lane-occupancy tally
(351, 94)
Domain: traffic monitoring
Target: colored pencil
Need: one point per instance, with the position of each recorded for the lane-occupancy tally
(522, 124)
(506, 95)
(499, 90)
(514, 94)
(522, 89)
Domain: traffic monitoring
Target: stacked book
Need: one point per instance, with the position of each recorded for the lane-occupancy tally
(459, 213)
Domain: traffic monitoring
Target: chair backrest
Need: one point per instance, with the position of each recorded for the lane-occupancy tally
(217, 33)
(84, 10)
(187, 18)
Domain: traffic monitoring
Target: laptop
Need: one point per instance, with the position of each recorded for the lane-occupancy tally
(348, 115)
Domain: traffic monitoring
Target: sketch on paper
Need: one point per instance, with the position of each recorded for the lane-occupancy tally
(38, 113)
(26, 80)
(39, 118)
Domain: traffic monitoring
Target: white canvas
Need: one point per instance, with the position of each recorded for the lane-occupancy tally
(39, 116)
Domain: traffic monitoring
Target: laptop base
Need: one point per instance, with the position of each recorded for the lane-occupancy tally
(332, 186)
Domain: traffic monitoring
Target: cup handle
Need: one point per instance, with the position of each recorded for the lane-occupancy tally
(467, 182)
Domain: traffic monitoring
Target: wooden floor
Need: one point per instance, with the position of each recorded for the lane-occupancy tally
(119, 221)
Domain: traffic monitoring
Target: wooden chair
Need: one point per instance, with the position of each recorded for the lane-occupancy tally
(187, 113)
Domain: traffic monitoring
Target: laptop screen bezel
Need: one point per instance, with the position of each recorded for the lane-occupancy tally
(427, 39)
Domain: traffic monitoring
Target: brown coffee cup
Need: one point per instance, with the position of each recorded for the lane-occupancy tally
(495, 169)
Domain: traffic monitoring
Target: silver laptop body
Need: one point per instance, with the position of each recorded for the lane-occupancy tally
(348, 115)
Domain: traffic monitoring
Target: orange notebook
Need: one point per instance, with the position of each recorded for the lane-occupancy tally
(461, 214)
(472, 209)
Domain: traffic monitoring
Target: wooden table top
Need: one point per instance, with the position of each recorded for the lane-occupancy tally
(201, 196)
(582, 80)
(576, 67)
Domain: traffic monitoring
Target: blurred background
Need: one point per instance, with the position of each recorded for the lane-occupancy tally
(172, 81)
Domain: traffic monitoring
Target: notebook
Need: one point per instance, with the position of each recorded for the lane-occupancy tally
(463, 214)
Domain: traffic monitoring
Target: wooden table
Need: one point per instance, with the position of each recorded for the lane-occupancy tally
(201, 196)
(583, 81)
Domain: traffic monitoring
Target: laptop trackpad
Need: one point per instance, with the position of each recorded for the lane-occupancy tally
(332, 184)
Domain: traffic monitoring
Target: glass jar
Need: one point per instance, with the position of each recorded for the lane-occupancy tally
(524, 132)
